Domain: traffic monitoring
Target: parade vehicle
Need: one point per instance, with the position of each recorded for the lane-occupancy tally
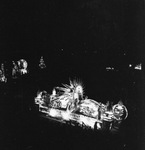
(2, 74)
(69, 104)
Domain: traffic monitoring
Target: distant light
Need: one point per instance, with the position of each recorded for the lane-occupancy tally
(22, 66)
(90, 122)
(130, 65)
(53, 113)
(98, 126)
(138, 67)
(54, 92)
(109, 68)
(3, 78)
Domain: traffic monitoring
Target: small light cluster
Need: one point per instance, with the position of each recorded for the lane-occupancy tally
(133, 66)
(2, 74)
(19, 67)
(42, 63)
(68, 104)
(136, 67)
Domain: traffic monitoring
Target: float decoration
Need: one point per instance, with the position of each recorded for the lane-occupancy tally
(69, 105)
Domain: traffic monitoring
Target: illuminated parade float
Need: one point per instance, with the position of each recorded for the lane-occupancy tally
(2, 74)
(69, 105)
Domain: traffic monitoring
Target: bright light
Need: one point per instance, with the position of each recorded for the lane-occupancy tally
(65, 115)
(54, 92)
(53, 113)
(79, 89)
(39, 95)
(109, 68)
(138, 67)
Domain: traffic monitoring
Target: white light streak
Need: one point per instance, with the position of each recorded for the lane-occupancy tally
(109, 68)
(66, 115)
(138, 67)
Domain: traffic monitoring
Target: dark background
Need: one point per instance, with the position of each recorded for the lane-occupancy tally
(78, 39)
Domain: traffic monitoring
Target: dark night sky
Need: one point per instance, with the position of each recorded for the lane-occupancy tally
(92, 33)
(100, 26)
